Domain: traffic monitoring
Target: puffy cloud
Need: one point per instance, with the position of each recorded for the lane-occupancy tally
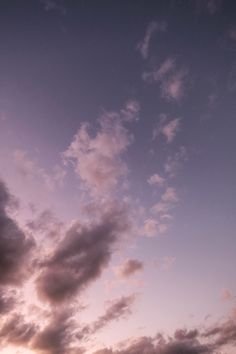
(143, 46)
(96, 160)
(118, 308)
(156, 179)
(129, 267)
(14, 245)
(81, 256)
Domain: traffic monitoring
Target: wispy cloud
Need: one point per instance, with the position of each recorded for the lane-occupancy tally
(212, 7)
(174, 163)
(54, 5)
(117, 309)
(30, 169)
(172, 81)
(144, 44)
(167, 129)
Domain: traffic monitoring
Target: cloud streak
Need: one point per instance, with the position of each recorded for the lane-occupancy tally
(144, 45)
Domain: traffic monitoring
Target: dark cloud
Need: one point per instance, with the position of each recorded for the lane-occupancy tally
(14, 246)
(56, 337)
(7, 302)
(148, 345)
(80, 257)
(118, 308)
(222, 334)
(16, 331)
(208, 341)
(129, 267)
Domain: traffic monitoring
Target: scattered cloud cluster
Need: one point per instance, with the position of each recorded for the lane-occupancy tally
(194, 341)
(171, 80)
(97, 159)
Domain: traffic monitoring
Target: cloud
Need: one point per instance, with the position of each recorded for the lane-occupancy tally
(167, 129)
(212, 7)
(173, 87)
(29, 169)
(174, 163)
(159, 74)
(226, 295)
(223, 334)
(183, 342)
(7, 302)
(14, 245)
(129, 267)
(81, 256)
(47, 225)
(117, 309)
(143, 46)
(172, 81)
(156, 179)
(16, 331)
(54, 5)
(153, 227)
(56, 336)
(131, 111)
(96, 160)
(194, 341)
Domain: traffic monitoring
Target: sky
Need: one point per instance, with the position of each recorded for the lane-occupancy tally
(117, 177)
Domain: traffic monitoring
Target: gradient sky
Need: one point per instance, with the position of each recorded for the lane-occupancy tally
(117, 177)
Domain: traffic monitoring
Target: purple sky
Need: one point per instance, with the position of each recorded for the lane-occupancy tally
(117, 179)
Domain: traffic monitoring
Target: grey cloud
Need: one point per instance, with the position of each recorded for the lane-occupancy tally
(7, 302)
(56, 336)
(81, 256)
(118, 308)
(195, 341)
(16, 331)
(14, 246)
(129, 267)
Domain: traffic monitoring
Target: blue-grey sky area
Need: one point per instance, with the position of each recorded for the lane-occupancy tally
(117, 176)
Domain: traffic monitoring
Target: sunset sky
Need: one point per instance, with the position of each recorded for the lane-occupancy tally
(117, 176)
